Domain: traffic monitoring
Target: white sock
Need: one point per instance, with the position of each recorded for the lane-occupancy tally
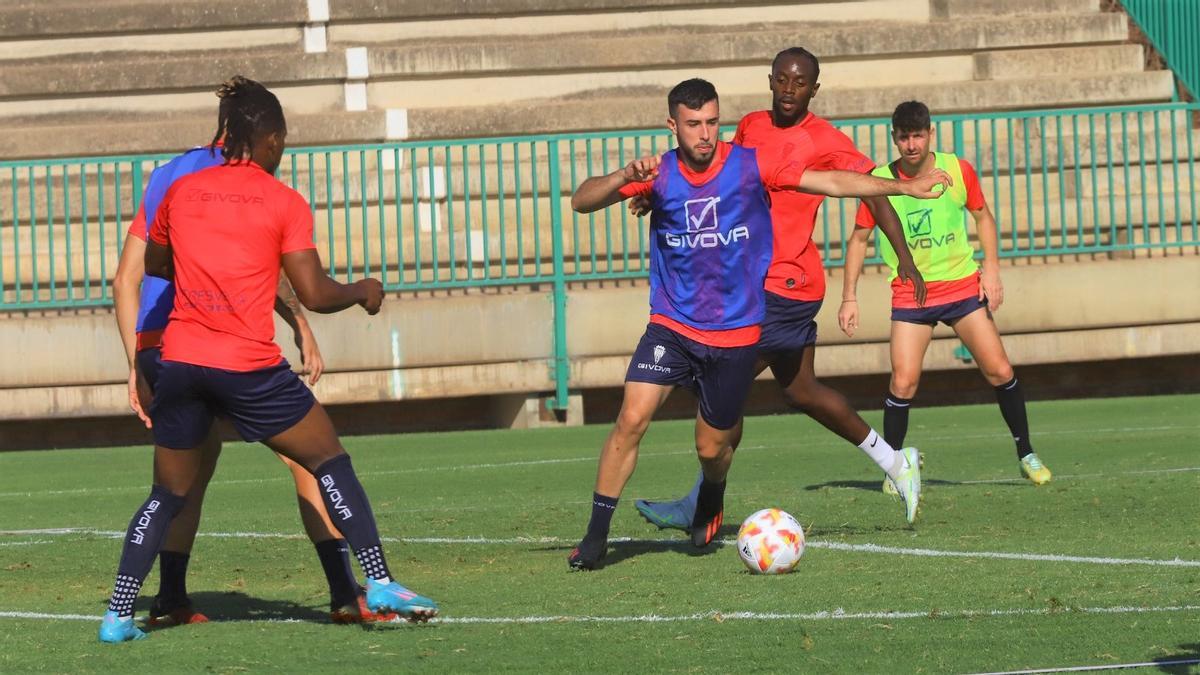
(879, 451)
(899, 464)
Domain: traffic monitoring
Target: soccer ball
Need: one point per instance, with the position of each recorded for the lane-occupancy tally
(770, 542)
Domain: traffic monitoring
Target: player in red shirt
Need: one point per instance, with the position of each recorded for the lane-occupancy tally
(221, 235)
(795, 283)
(142, 308)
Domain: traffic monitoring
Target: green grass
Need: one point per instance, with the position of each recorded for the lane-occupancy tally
(1126, 486)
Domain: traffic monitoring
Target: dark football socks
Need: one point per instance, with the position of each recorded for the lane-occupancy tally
(348, 508)
(335, 560)
(1012, 407)
(143, 539)
(895, 420)
(172, 579)
(710, 505)
(602, 513)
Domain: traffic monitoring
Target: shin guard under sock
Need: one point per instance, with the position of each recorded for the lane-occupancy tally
(143, 538)
(348, 508)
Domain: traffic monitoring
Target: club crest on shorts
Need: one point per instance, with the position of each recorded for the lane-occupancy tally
(659, 351)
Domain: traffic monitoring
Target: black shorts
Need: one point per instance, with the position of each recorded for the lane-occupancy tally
(789, 325)
(947, 313)
(187, 398)
(719, 376)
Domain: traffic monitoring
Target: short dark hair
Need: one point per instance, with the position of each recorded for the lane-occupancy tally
(798, 53)
(693, 94)
(248, 110)
(911, 116)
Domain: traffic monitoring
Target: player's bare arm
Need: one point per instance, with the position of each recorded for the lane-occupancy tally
(989, 278)
(856, 253)
(319, 293)
(851, 184)
(598, 192)
(287, 306)
(127, 287)
(888, 222)
(159, 260)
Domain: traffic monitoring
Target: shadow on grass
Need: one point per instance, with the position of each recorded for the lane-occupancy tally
(624, 549)
(237, 606)
(875, 485)
(1181, 664)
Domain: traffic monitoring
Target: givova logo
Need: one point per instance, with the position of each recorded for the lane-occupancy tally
(659, 352)
(920, 222)
(703, 227)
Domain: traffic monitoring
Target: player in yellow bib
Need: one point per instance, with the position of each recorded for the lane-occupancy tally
(959, 293)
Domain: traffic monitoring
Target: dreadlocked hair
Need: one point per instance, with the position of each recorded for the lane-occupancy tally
(247, 112)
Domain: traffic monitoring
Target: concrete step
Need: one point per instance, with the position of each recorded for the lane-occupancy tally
(444, 73)
(56, 27)
(368, 21)
(643, 108)
(958, 9)
(175, 72)
(85, 134)
(1059, 62)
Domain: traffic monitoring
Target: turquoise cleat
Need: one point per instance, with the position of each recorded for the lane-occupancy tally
(676, 515)
(392, 597)
(114, 629)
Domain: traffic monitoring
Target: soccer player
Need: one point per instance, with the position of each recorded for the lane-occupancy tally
(221, 235)
(795, 284)
(710, 250)
(960, 295)
(142, 306)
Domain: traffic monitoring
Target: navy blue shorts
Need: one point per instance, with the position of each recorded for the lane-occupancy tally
(947, 313)
(789, 326)
(187, 398)
(719, 376)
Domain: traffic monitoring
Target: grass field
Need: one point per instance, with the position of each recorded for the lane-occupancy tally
(1100, 567)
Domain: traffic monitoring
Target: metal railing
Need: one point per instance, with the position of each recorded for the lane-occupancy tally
(1172, 26)
(487, 212)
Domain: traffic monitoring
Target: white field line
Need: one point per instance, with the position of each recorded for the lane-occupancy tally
(1095, 668)
(26, 543)
(838, 614)
(824, 443)
(828, 545)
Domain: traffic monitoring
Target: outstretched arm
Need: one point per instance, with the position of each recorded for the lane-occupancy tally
(287, 306)
(889, 222)
(851, 184)
(598, 192)
(319, 293)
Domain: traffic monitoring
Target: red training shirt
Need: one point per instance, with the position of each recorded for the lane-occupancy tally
(228, 226)
(936, 292)
(796, 271)
(775, 175)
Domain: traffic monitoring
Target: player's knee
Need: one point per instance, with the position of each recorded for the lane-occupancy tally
(708, 452)
(998, 374)
(632, 422)
(904, 386)
(801, 394)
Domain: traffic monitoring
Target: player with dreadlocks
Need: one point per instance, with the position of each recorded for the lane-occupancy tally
(218, 357)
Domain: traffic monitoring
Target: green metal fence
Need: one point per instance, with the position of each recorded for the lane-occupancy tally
(1172, 26)
(487, 212)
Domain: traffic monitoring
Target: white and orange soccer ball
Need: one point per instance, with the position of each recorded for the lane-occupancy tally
(770, 542)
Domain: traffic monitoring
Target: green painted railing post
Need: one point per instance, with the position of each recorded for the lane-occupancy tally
(562, 367)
